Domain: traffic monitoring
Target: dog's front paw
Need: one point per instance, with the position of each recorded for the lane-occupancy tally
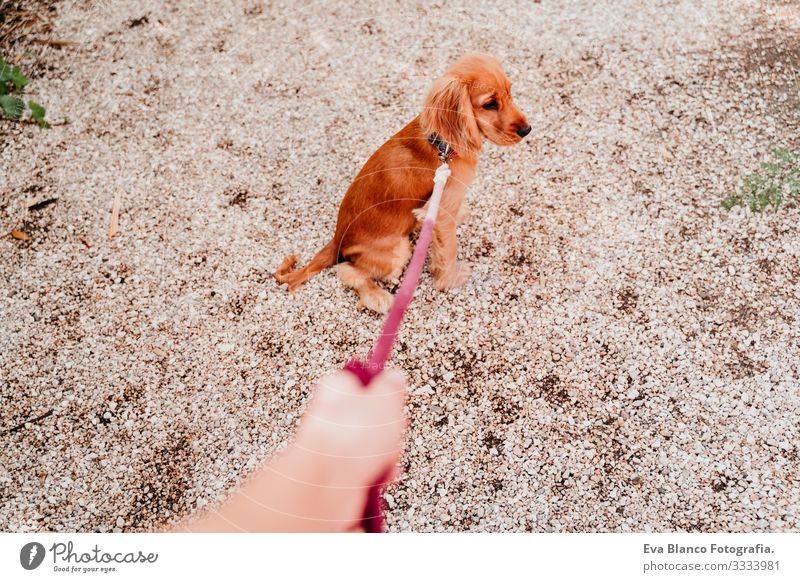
(455, 276)
(377, 300)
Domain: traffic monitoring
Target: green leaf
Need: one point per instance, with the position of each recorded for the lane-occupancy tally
(3, 89)
(12, 106)
(37, 114)
(18, 79)
(753, 182)
(762, 201)
(5, 72)
(770, 168)
(782, 154)
(732, 200)
(777, 182)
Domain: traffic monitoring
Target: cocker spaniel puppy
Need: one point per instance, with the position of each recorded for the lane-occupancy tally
(470, 103)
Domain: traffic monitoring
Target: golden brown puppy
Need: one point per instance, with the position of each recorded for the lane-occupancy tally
(469, 103)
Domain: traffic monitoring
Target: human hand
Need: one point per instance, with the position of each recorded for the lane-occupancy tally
(349, 438)
(354, 434)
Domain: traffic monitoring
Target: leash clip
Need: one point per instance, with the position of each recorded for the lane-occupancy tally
(445, 153)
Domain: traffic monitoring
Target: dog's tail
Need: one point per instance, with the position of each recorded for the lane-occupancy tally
(286, 272)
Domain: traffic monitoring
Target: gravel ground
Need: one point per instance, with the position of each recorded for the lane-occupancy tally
(625, 357)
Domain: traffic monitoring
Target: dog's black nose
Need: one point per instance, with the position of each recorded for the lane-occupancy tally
(523, 131)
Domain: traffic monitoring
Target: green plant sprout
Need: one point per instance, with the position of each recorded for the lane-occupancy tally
(777, 180)
(12, 84)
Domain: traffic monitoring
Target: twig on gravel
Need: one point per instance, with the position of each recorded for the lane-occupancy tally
(58, 43)
(50, 123)
(22, 22)
(42, 204)
(20, 235)
(114, 227)
(18, 23)
(31, 420)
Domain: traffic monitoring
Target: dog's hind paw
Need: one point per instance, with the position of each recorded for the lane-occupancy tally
(286, 267)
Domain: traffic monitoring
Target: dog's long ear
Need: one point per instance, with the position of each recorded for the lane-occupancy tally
(448, 112)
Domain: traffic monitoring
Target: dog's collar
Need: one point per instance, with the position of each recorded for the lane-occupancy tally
(446, 151)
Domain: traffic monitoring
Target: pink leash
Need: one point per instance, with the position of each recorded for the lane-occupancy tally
(372, 519)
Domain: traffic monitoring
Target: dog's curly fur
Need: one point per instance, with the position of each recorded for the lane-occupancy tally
(471, 102)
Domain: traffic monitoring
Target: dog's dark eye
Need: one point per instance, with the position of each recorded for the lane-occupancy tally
(490, 105)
